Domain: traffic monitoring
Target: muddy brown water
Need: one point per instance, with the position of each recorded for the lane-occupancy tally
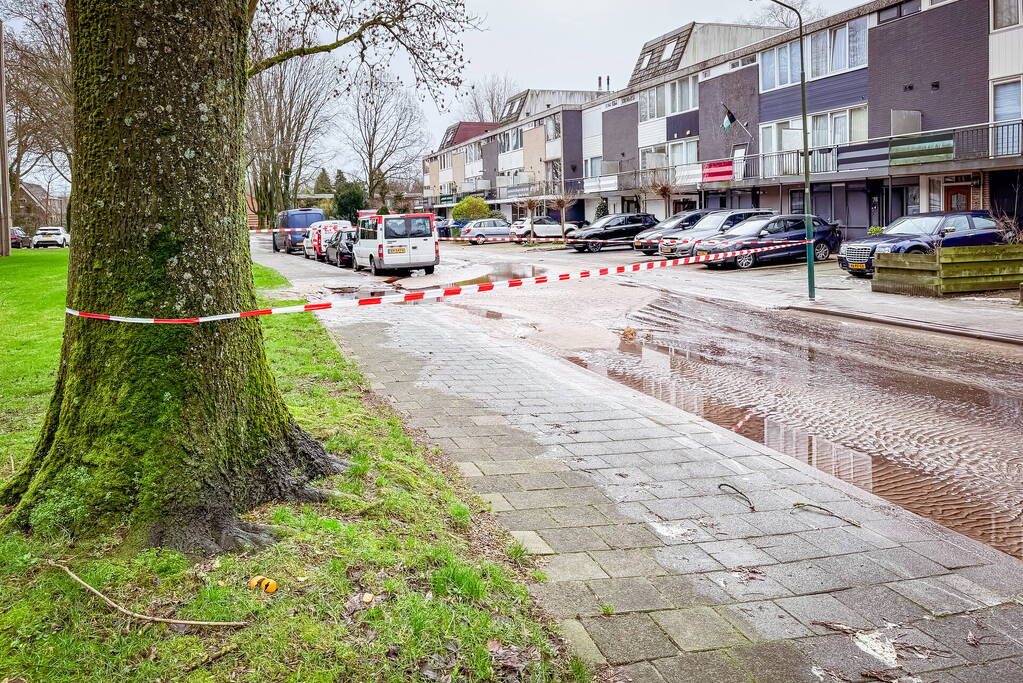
(931, 423)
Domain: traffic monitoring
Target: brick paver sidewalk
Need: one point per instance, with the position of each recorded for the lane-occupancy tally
(652, 563)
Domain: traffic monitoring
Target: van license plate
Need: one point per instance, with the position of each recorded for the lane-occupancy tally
(857, 266)
(396, 250)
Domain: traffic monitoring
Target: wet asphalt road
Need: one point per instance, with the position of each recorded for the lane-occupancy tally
(931, 422)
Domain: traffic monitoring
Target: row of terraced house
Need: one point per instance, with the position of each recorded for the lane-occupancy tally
(914, 106)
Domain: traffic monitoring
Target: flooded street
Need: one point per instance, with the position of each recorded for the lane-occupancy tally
(931, 423)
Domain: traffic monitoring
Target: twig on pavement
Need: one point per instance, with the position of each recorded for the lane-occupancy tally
(740, 493)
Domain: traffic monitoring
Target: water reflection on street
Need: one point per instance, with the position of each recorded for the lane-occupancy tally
(934, 424)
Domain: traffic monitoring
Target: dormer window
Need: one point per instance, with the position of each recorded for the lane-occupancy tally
(646, 61)
(668, 50)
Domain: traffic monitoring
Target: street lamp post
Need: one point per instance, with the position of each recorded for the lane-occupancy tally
(807, 205)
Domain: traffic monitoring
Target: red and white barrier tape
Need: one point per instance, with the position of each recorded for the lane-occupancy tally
(429, 293)
(742, 423)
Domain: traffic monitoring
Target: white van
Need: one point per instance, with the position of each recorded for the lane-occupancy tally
(315, 244)
(398, 241)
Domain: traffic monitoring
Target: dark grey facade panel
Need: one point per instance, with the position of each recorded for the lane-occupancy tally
(934, 62)
(738, 91)
(490, 161)
(848, 89)
(621, 137)
(572, 141)
(685, 125)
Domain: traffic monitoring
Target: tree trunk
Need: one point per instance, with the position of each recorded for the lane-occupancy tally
(171, 430)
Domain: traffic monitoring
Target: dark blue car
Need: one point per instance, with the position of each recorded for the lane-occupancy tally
(785, 234)
(920, 234)
(294, 225)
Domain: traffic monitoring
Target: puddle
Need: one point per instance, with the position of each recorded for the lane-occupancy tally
(934, 426)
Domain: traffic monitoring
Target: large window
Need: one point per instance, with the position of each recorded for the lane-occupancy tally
(684, 152)
(827, 52)
(473, 153)
(651, 103)
(592, 167)
(653, 157)
(826, 129)
(1007, 107)
(683, 95)
(509, 141)
(552, 127)
(1005, 13)
(445, 161)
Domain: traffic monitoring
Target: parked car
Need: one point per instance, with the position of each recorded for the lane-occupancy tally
(20, 239)
(622, 227)
(396, 242)
(295, 224)
(678, 243)
(763, 231)
(539, 226)
(919, 234)
(339, 247)
(51, 236)
(649, 240)
(315, 244)
(480, 231)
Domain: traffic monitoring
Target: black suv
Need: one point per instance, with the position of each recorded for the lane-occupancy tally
(621, 227)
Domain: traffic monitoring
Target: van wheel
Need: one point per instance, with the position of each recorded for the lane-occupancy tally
(428, 270)
(305, 253)
(373, 266)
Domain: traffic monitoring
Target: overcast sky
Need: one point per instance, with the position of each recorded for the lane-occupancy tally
(566, 44)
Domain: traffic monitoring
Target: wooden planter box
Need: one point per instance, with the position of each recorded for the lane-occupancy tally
(952, 270)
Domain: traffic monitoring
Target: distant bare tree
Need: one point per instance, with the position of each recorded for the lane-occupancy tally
(531, 206)
(385, 129)
(563, 200)
(38, 87)
(289, 111)
(770, 14)
(660, 184)
(484, 98)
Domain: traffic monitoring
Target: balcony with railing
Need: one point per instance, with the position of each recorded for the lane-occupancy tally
(995, 141)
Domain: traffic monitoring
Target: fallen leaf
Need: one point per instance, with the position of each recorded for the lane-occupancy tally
(367, 598)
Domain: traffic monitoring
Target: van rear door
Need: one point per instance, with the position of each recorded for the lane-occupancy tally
(422, 240)
(397, 248)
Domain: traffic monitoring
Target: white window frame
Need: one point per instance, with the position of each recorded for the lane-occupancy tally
(689, 84)
(796, 123)
(648, 99)
(645, 151)
(593, 164)
(1010, 27)
(684, 143)
(646, 61)
(824, 34)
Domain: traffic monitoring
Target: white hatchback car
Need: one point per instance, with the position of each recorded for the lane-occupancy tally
(315, 244)
(541, 226)
(51, 236)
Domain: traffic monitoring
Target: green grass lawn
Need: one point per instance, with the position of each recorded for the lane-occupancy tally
(386, 583)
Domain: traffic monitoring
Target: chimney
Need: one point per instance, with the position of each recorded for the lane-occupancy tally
(600, 85)
(607, 80)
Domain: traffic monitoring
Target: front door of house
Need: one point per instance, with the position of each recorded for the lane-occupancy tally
(957, 198)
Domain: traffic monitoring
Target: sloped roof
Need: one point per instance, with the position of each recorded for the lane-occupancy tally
(35, 192)
(464, 130)
(653, 55)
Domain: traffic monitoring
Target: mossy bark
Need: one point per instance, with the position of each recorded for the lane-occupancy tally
(171, 429)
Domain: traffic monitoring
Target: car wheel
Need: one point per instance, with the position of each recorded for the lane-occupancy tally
(480, 240)
(428, 270)
(917, 250)
(580, 249)
(821, 251)
(745, 261)
(594, 247)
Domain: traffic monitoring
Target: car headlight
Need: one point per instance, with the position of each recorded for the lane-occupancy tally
(884, 249)
(844, 249)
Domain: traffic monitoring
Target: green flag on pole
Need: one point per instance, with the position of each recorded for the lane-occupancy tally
(729, 119)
